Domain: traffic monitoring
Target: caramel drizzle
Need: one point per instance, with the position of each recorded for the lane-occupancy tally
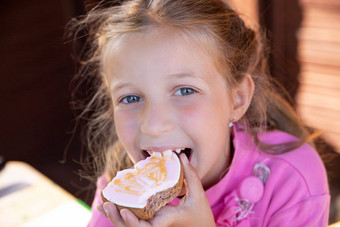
(133, 183)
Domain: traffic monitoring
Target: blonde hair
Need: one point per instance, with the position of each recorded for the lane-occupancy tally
(238, 51)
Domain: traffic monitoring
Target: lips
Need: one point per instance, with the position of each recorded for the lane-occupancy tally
(167, 152)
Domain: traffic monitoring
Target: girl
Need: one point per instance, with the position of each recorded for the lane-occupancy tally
(189, 74)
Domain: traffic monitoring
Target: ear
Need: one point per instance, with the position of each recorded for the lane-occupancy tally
(242, 97)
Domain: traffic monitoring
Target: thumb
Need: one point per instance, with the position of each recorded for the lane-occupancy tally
(193, 183)
(131, 220)
(128, 217)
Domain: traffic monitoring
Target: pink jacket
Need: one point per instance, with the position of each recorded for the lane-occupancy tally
(289, 189)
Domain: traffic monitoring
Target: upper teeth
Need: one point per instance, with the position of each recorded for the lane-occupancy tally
(166, 153)
(157, 154)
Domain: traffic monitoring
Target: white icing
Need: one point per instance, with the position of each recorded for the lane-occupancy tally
(143, 186)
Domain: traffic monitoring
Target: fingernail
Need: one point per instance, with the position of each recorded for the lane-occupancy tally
(122, 213)
(185, 159)
(106, 209)
(100, 209)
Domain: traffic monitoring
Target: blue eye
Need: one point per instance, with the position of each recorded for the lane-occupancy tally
(185, 91)
(131, 99)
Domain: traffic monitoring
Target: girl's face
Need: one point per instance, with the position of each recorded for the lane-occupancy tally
(168, 94)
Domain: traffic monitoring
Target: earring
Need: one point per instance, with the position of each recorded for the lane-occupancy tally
(231, 123)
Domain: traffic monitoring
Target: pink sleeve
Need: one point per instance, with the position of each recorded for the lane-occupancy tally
(310, 212)
(97, 218)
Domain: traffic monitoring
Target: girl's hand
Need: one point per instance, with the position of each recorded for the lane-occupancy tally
(193, 209)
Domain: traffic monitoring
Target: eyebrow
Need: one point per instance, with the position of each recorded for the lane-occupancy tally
(174, 75)
(118, 87)
(185, 75)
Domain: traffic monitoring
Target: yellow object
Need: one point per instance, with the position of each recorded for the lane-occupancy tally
(40, 203)
(335, 225)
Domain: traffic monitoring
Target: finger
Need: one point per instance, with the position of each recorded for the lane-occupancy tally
(112, 213)
(131, 220)
(165, 216)
(196, 200)
(101, 209)
(192, 181)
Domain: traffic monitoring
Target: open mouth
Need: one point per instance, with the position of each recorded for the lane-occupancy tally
(186, 151)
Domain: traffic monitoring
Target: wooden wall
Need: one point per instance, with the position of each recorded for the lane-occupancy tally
(319, 54)
(304, 37)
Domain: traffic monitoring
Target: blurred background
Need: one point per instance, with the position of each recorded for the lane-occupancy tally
(36, 120)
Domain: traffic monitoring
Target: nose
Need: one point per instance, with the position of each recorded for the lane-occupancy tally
(156, 119)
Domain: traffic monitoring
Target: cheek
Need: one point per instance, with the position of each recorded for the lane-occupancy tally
(190, 114)
(204, 112)
(126, 126)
